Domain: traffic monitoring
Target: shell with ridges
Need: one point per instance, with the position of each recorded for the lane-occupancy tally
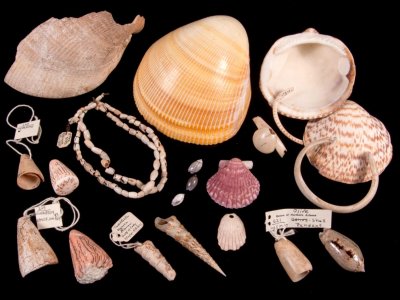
(68, 57)
(233, 186)
(193, 84)
(231, 232)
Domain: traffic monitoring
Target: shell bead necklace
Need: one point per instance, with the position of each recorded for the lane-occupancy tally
(143, 133)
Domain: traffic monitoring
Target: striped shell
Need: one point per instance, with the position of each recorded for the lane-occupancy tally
(233, 186)
(356, 133)
(193, 84)
(315, 71)
(68, 57)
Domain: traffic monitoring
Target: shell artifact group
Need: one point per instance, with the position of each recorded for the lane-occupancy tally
(233, 186)
(67, 57)
(193, 84)
(63, 180)
(343, 250)
(29, 176)
(266, 140)
(306, 76)
(153, 256)
(90, 261)
(33, 250)
(172, 227)
(348, 146)
(231, 232)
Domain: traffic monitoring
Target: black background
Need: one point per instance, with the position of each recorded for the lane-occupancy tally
(368, 31)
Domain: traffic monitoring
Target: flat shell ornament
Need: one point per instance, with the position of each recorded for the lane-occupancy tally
(67, 57)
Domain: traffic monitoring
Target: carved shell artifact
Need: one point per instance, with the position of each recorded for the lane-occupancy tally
(63, 180)
(233, 186)
(306, 76)
(231, 232)
(193, 84)
(68, 57)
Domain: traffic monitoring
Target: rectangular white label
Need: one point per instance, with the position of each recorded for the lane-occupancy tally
(48, 216)
(126, 227)
(27, 129)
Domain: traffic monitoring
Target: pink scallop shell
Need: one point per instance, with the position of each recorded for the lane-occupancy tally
(233, 186)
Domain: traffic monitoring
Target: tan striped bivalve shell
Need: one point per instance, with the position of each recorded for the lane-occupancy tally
(193, 84)
(233, 186)
(306, 76)
(348, 146)
(67, 57)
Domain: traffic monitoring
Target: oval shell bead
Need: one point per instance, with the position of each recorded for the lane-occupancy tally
(195, 166)
(192, 183)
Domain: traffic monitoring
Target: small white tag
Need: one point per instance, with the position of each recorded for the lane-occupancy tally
(64, 139)
(297, 218)
(48, 216)
(126, 228)
(27, 129)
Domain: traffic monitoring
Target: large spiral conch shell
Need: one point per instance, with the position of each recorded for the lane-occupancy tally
(33, 250)
(178, 232)
(348, 146)
(233, 186)
(193, 84)
(306, 76)
(90, 261)
(68, 57)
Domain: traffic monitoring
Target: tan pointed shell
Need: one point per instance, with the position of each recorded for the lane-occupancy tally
(193, 84)
(231, 232)
(67, 57)
(356, 133)
(90, 261)
(315, 71)
(233, 186)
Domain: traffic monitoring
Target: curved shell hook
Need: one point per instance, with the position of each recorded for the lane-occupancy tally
(265, 138)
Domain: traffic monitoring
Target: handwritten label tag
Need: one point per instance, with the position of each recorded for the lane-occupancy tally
(297, 218)
(126, 228)
(48, 216)
(27, 129)
(64, 139)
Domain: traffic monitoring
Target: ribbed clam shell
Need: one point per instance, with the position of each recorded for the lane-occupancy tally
(231, 232)
(316, 70)
(193, 84)
(67, 57)
(356, 133)
(233, 186)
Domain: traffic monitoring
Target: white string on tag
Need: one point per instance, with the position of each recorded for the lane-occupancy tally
(281, 233)
(8, 142)
(124, 245)
(75, 211)
(30, 139)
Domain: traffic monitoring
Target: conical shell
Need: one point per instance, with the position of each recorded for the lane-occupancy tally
(172, 227)
(90, 261)
(343, 250)
(315, 71)
(67, 57)
(29, 176)
(231, 232)
(356, 133)
(63, 180)
(33, 251)
(233, 186)
(153, 256)
(193, 84)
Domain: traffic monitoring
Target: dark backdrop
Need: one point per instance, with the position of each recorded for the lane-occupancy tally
(367, 31)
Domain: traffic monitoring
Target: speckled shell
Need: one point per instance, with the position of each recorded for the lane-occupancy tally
(233, 186)
(356, 133)
(231, 232)
(63, 180)
(68, 57)
(193, 84)
(316, 72)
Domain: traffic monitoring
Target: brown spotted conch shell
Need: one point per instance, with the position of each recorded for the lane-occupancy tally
(63, 180)
(172, 227)
(33, 250)
(193, 84)
(306, 76)
(233, 186)
(90, 261)
(29, 176)
(231, 232)
(343, 250)
(348, 146)
(68, 57)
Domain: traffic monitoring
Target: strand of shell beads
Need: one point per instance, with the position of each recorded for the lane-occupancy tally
(144, 133)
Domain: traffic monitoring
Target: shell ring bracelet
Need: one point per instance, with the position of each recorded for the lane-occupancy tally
(143, 133)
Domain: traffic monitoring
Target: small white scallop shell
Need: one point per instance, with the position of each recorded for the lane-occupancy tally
(231, 232)
(195, 166)
(178, 199)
